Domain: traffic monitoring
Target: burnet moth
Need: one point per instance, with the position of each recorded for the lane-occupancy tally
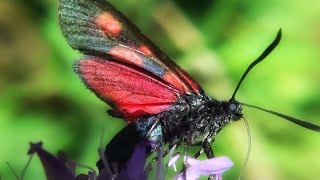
(158, 99)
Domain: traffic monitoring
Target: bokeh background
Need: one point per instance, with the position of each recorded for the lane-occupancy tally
(41, 99)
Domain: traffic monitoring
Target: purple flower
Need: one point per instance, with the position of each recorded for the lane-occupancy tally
(172, 161)
(63, 169)
(196, 168)
(135, 166)
(54, 168)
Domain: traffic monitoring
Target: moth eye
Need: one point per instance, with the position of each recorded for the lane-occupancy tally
(232, 107)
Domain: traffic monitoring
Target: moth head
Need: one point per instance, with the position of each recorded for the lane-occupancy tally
(233, 109)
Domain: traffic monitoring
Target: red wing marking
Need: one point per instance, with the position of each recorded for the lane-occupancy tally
(108, 23)
(145, 50)
(126, 55)
(133, 92)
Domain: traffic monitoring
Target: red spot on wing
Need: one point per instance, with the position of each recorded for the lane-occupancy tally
(174, 76)
(131, 56)
(126, 55)
(132, 92)
(109, 24)
(145, 50)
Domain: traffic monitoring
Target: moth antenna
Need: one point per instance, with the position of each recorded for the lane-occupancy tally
(249, 148)
(265, 53)
(299, 122)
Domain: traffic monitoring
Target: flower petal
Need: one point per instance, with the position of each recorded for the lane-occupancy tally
(104, 175)
(173, 159)
(196, 168)
(135, 166)
(54, 168)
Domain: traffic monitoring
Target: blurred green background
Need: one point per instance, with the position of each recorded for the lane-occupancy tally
(41, 99)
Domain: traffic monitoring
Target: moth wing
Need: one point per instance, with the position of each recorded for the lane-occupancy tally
(133, 92)
(95, 27)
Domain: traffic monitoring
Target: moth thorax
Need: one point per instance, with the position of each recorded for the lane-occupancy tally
(189, 121)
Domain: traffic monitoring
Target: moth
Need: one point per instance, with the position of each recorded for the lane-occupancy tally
(159, 100)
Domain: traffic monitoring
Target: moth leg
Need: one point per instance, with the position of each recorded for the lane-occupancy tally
(198, 154)
(206, 145)
(202, 150)
(165, 153)
(156, 158)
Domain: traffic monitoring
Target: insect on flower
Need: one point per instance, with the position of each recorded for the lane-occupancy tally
(158, 99)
